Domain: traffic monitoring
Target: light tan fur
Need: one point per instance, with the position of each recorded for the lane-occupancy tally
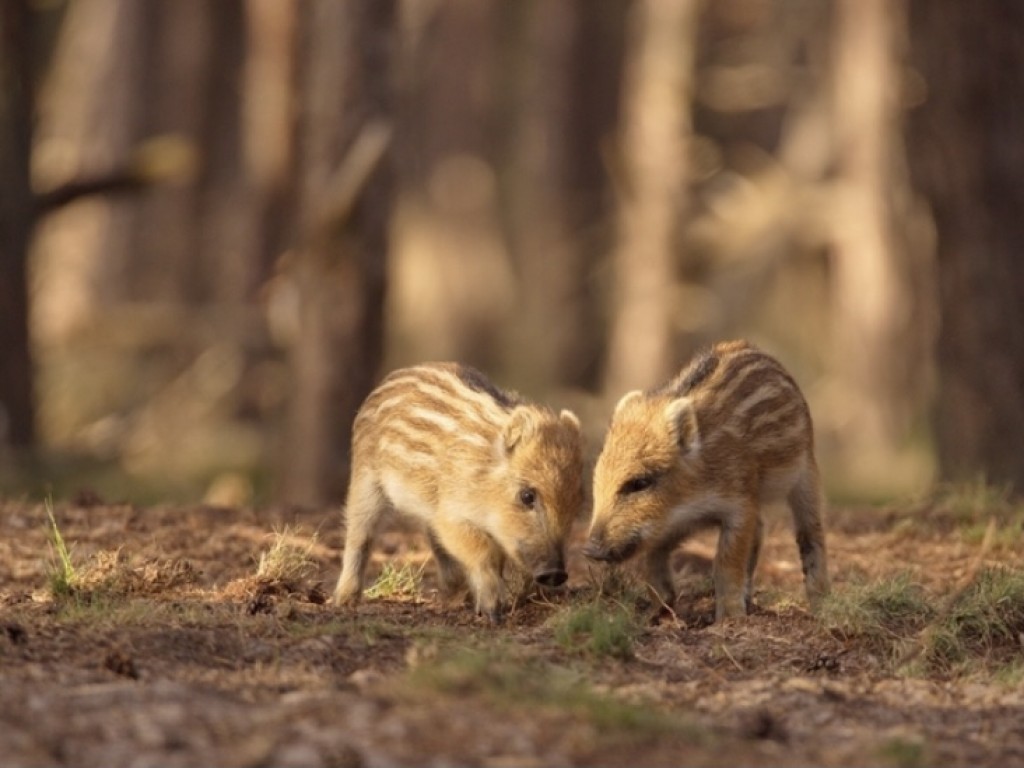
(729, 434)
(494, 478)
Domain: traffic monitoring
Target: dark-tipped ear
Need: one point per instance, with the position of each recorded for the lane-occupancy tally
(682, 420)
(627, 398)
(570, 419)
(520, 426)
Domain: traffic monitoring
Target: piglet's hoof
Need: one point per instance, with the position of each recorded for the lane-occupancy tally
(495, 615)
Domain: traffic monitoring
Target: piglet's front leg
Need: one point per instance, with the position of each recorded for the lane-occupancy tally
(482, 561)
(736, 549)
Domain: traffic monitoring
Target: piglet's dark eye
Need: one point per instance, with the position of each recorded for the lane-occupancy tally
(527, 497)
(637, 484)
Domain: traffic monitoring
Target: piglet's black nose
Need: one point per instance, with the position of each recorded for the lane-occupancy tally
(551, 578)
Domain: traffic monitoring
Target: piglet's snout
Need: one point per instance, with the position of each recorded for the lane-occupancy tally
(553, 578)
(551, 573)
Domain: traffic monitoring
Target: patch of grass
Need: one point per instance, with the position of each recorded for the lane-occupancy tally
(970, 501)
(103, 609)
(63, 574)
(286, 570)
(110, 575)
(304, 630)
(970, 505)
(289, 559)
(89, 608)
(986, 619)
(887, 613)
(903, 753)
(423, 640)
(1006, 536)
(601, 628)
(977, 629)
(99, 609)
(528, 684)
(1010, 675)
(396, 581)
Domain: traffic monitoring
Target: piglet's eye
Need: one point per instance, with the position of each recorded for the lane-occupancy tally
(528, 497)
(637, 484)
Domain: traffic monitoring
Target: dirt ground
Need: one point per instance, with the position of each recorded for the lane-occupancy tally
(192, 660)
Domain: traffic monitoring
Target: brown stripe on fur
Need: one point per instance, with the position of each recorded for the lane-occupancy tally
(785, 400)
(433, 390)
(693, 376)
(768, 425)
(476, 380)
(722, 402)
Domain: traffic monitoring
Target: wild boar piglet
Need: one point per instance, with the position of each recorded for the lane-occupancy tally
(729, 434)
(493, 478)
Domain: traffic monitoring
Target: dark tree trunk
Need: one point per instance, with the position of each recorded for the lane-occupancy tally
(446, 79)
(17, 425)
(268, 127)
(345, 194)
(967, 157)
(559, 104)
(231, 265)
(188, 242)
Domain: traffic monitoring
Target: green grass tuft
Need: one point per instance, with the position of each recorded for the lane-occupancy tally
(1011, 674)
(1007, 535)
(288, 560)
(396, 581)
(969, 506)
(516, 684)
(63, 574)
(978, 629)
(886, 613)
(985, 619)
(602, 628)
(903, 753)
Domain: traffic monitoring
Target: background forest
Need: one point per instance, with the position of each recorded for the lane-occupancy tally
(221, 222)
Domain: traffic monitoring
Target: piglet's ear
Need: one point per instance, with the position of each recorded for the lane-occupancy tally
(627, 398)
(520, 426)
(682, 421)
(570, 419)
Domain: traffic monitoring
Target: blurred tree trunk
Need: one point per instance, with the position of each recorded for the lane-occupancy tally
(91, 111)
(879, 374)
(560, 101)
(968, 158)
(123, 77)
(189, 243)
(450, 292)
(655, 141)
(345, 198)
(268, 130)
(153, 254)
(17, 425)
(231, 263)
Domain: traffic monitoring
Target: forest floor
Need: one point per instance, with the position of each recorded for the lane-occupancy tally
(161, 640)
